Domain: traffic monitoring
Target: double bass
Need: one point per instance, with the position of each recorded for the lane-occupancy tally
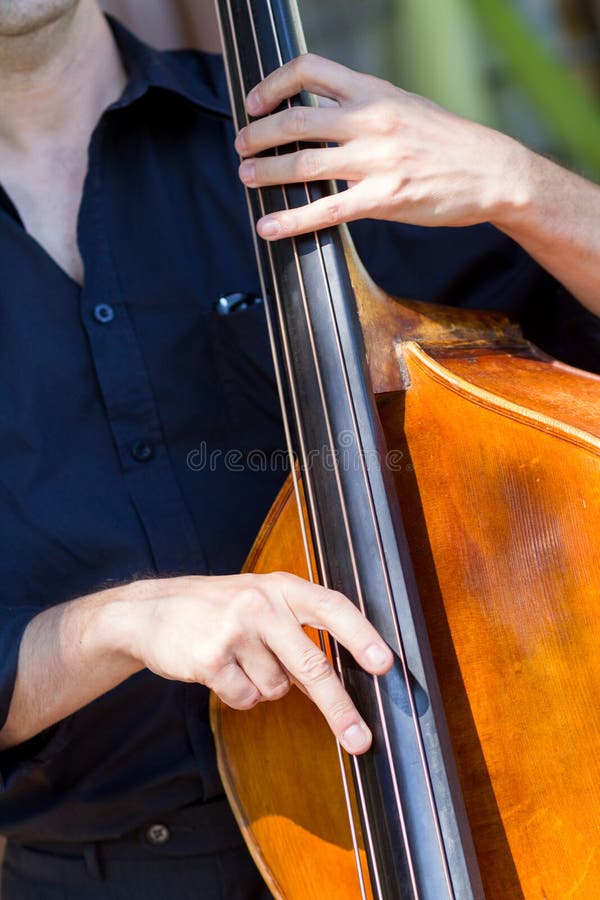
(446, 478)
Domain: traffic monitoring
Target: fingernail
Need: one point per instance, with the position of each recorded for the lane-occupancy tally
(253, 101)
(376, 656)
(270, 229)
(356, 738)
(247, 172)
(240, 142)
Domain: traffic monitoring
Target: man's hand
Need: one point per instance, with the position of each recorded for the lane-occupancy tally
(404, 158)
(240, 635)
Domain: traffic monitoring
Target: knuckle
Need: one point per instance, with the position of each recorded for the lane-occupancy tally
(310, 165)
(210, 662)
(233, 631)
(331, 601)
(299, 120)
(245, 699)
(305, 63)
(340, 712)
(314, 667)
(276, 690)
(282, 581)
(401, 194)
(308, 59)
(381, 117)
(332, 212)
(304, 68)
(284, 576)
(254, 601)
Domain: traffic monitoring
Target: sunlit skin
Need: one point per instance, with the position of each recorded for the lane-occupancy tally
(240, 635)
(408, 160)
(59, 69)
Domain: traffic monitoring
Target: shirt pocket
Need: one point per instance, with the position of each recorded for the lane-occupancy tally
(244, 366)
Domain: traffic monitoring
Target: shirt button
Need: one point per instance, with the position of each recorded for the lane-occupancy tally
(142, 452)
(158, 834)
(104, 313)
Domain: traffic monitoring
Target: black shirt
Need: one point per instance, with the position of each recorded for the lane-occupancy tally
(129, 406)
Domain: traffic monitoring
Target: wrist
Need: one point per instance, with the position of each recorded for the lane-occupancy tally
(513, 209)
(113, 621)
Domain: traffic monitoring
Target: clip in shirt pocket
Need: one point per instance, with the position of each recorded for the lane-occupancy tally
(238, 302)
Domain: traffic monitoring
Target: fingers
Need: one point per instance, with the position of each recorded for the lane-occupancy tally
(306, 73)
(340, 124)
(305, 165)
(345, 206)
(234, 687)
(313, 672)
(322, 608)
(252, 644)
(299, 123)
(278, 605)
(264, 671)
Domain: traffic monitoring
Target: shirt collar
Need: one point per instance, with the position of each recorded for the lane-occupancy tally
(195, 75)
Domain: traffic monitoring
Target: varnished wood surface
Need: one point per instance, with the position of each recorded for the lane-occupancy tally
(280, 765)
(568, 395)
(497, 469)
(503, 515)
(387, 322)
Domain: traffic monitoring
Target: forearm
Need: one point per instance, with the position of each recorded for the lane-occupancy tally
(240, 635)
(556, 219)
(69, 655)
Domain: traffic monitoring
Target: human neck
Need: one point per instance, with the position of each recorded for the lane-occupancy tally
(57, 81)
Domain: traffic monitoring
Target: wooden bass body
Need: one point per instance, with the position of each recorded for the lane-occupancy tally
(495, 454)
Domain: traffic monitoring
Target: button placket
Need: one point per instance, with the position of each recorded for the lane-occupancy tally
(125, 383)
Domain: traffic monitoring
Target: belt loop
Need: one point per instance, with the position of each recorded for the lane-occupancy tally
(93, 863)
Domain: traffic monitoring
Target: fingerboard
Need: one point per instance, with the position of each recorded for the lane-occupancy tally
(412, 818)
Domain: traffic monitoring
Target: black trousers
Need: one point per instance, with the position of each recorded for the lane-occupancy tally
(194, 854)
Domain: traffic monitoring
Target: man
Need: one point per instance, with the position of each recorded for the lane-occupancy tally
(122, 223)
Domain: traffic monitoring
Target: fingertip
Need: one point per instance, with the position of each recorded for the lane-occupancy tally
(357, 738)
(240, 142)
(379, 657)
(247, 172)
(269, 229)
(253, 102)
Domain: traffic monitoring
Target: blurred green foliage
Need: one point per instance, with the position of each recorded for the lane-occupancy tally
(444, 45)
(484, 59)
(570, 111)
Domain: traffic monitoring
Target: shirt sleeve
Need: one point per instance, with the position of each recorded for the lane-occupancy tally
(13, 622)
(15, 760)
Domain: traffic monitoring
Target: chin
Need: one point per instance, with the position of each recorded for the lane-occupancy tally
(20, 17)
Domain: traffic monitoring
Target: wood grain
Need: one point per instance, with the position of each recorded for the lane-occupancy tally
(497, 473)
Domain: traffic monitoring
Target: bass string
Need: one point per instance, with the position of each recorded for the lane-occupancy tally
(307, 480)
(282, 398)
(373, 515)
(285, 415)
(358, 777)
(361, 457)
(265, 295)
(290, 376)
(367, 827)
